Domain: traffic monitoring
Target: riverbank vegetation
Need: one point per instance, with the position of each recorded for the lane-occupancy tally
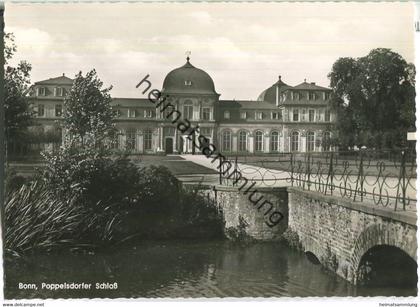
(102, 203)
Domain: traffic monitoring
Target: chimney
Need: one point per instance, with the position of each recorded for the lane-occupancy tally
(64, 74)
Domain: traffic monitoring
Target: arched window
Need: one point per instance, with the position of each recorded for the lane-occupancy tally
(226, 140)
(274, 141)
(326, 140)
(258, 141)
(294, 141)
(310, 141)
(243, 141)
(147, 139)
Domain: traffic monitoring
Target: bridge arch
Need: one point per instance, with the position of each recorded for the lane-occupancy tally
(312, 249)
(379, 235)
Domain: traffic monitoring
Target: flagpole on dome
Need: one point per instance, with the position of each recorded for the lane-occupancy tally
(188, 53)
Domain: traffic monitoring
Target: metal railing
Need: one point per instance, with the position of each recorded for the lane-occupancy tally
(386, 178)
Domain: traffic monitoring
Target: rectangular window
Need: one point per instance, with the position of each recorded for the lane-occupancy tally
(303, 115)
(42, 91)
(312, 96)
(168, 113)
(327, 115)
(258, 115)
(117, 112)
(188, 111)
(295, 115)
(147, 139)
(311, 115)
(148, 113)
(295, 96)
(58, 110)
(226, 115)
(205, 114)
(243, 115)
(58, 91)
(131, 113)
(274, 115)
(41, 110)
(205, 131)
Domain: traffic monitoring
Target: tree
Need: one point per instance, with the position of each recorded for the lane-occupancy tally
(88, 115)
(374, 97)
(88, 126)
(18, 113)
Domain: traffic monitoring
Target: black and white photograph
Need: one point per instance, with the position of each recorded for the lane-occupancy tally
(197, 150)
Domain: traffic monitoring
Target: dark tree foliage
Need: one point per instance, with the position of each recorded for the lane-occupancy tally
(88, 114)
(18, 113)
(374, 97)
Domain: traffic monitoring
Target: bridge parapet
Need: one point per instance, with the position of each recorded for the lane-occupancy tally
(339, 232)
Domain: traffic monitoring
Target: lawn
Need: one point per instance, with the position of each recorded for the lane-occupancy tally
(176, 164)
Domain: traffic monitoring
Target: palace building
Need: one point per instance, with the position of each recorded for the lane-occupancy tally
(283, 118)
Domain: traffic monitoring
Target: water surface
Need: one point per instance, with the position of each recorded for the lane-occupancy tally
(186, 269)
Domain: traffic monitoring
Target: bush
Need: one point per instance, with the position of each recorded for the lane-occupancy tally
(238, 234)
(87, 200)
(198, 213)
(95, 178)
(159, 190)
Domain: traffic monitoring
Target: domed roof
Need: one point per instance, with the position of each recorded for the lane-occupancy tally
(188, 79)
(269, 94)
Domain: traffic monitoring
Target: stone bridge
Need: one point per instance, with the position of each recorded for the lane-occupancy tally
(339, 232)
(332, 230)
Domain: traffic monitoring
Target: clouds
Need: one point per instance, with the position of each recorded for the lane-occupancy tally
(32, 39)
(202, 17)
(243, 46)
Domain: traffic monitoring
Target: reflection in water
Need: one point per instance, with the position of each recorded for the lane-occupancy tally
(186, 269)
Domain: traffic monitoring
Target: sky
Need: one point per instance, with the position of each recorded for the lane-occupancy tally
(243, 46)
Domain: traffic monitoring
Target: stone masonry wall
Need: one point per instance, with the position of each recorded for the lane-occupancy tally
(340, 232)
(238, 209)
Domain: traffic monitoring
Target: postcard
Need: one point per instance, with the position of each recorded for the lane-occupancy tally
(209, 150)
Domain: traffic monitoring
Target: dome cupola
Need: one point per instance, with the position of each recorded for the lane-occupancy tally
(271, 93)
(188, 79)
